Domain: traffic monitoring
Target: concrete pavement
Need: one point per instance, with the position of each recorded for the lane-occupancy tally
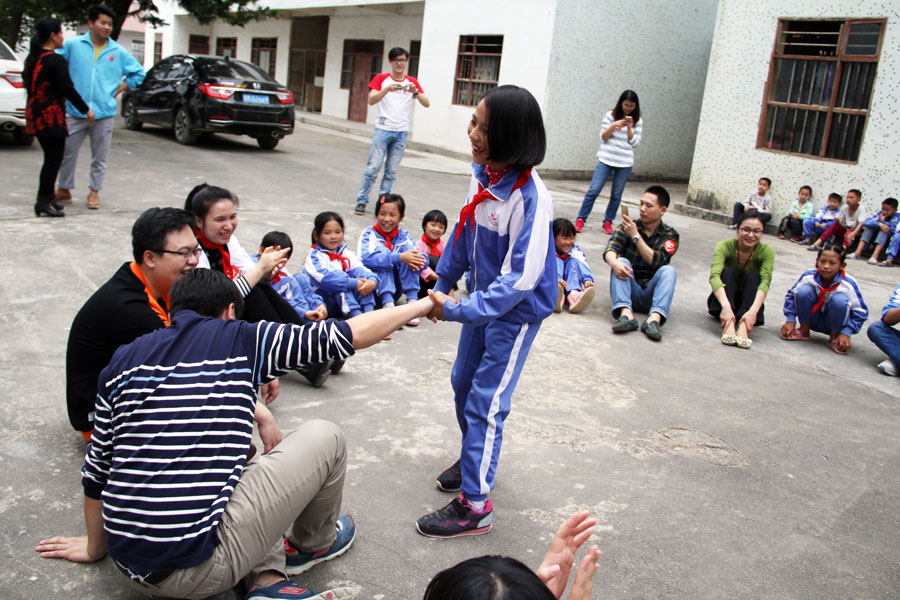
(715, 472)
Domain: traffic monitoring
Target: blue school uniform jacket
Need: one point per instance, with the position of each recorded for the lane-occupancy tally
(328, 275)
(859, 312)
(874, 221)
(577, 253)
(826, 214)
(509, 254)
(374, 253)
(894, 302)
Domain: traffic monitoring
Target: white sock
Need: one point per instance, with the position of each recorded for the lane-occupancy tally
(387, 305)
(477, 505)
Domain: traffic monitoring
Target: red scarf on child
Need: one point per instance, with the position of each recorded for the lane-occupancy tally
(230, 270)
(432, 247)
(345, 262)
(388, 237)
(824, 291)
(468, 211)
(563, 256)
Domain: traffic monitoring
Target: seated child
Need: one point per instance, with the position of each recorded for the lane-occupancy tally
(576, 283)
(336, 273)
(890, 255)
(759, 200)
(886, 336)
(846, 226)
(817, 225)
(801, 210)
(296, 288)
(880, 226)
(431, 246)
(827, 300)
(391, 253)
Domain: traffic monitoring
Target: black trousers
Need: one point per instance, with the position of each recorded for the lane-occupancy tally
(792, 223)
(53, 155)
(741, 295)
(739, 210)
(264, 304)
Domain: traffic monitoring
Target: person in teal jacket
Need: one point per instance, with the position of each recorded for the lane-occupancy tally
(101, 69)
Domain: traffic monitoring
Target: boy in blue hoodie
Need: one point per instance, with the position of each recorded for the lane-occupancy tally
(101, 69)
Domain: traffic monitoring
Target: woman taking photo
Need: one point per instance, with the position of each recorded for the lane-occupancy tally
(740, 275)
(47, 81)
(622, 129)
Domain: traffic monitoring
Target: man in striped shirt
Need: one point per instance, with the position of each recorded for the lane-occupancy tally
(168, 488)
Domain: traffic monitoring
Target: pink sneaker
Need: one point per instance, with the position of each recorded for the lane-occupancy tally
(579, 225)
(579, 300)
(607, 228)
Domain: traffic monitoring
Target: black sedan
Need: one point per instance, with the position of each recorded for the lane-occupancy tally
(211, 94)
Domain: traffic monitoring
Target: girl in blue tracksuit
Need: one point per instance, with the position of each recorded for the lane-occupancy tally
(827, 300)
(576, 282)
(390, 252)
(335, 272)
(504, 241)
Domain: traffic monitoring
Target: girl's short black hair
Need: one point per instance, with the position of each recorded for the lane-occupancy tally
(836, 248)
(203, 196)
(619, 113)
(515, 131)
(277, 238)
(388, 198)
(750, 214)
(488, 578)
(434, 216)
(207, 293)
(322, 219)
(563, 227)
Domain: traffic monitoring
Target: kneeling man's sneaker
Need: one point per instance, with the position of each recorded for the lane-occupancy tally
(288, 590)
(298, 562)
(456, 519)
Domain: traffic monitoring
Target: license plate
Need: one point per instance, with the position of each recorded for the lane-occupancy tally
(256, 98)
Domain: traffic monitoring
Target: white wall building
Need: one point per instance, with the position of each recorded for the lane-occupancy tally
(575, 56)
(833, 126)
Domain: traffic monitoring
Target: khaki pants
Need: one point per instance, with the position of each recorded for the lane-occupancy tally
(299, 485)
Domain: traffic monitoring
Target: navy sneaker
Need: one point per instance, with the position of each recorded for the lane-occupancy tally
(456, 519)
(451, 479)
(298, 562)
(360, 209)
(288, 590)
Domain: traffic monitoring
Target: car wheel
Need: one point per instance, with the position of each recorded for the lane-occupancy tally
(183, 133)
(21, 138)
(268, 142)
(130, 113)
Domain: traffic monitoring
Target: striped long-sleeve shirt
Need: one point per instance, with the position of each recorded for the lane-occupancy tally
(173, 423)
(618, 150)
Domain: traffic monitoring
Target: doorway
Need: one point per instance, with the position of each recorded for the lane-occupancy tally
(361, 62)
(306, 72)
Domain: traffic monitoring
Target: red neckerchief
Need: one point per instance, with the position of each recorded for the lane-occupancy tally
(468, 211)
(824, 291)
(563, 256)
(388, 237)
(230, 270)
(432, 248)
(154, 303)
(345, 262)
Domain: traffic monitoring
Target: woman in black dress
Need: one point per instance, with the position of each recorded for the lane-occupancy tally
(47, 80)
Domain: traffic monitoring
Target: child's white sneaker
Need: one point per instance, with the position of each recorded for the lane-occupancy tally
(888, 368)
(873, 261)
(578, 301)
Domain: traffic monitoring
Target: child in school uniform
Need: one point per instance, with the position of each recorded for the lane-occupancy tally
(801, 210)
(885, 334)
(827, 300)
(295, 288)
(390, 253)
(504, 239)
(336, 273)
(576, 282)
(846, 226)
(434, 224)
(881, 226)
(815, 226)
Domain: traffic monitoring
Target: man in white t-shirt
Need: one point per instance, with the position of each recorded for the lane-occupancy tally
(394, 94)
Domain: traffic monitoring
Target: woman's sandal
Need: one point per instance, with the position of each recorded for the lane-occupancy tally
(729, 339)
(744, 343)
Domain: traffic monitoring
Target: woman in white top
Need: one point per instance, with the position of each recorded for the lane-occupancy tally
(622, 128)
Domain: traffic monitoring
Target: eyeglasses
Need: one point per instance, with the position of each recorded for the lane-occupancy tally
(748, 231)
(185, 254)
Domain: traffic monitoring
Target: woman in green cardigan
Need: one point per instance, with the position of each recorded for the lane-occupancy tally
(740, 275)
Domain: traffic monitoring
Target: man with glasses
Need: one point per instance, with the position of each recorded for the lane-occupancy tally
(394, 93)
(638, 254)
(133, 302)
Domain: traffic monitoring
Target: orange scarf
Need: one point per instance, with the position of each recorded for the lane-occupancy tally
(151, 300)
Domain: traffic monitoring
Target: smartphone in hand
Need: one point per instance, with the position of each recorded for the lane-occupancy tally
(624, 211)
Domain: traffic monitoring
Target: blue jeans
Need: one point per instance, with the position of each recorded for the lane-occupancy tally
(887, 339)
(384, 143)
(655, 297)
(601, 174)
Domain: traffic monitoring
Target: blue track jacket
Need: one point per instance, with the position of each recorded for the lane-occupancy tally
(509, 254)
(859, 312)
(96, 81)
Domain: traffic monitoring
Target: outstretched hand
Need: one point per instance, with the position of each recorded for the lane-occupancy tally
(557, 564)
(438, 299)
(74, 549)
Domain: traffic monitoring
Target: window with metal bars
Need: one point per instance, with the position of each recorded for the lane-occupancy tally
(819, 91)
(477, 67)
(262, 53)
(226, 46)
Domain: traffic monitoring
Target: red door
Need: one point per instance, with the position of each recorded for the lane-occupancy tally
(359, 88)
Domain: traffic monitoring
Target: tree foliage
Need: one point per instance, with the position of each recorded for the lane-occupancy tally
(17, 16)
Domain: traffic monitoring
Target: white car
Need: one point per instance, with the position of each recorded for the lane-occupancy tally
(12, 97)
